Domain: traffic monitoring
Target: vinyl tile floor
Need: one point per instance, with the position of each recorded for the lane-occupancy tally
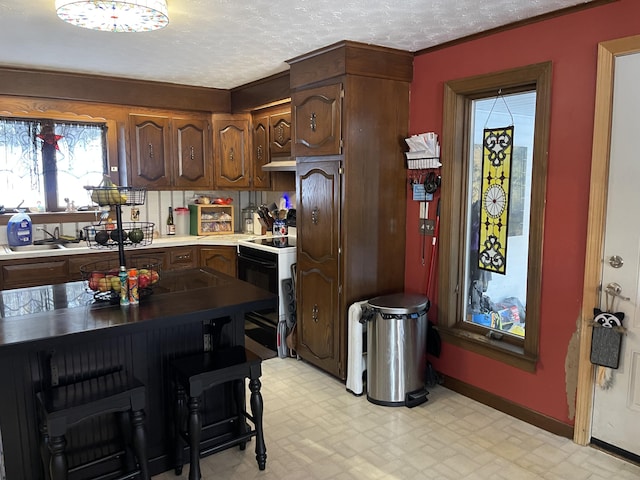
(315, 429)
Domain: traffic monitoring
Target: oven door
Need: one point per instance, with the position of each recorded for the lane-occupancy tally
(260, 268)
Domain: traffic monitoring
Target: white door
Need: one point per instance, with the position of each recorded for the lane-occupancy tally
(616, 410)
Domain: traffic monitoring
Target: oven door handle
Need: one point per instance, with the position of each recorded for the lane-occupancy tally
(259, 262)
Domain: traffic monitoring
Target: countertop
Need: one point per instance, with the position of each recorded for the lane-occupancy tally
(43, 313)
(82, 248)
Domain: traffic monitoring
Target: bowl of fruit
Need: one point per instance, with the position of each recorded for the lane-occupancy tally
(132, 234)
(103, 277)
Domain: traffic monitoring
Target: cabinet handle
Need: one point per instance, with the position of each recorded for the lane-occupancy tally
(183, 257)
(192, 152)
(231, 155)
(314, 313)
(150, 151)
(259, 153)
(315, 213)
(313, 121)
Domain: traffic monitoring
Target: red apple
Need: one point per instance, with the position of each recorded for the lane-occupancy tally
(154, 276)
(144, 280)
(93, 280)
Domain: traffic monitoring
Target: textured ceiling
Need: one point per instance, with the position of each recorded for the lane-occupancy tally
(227, 43)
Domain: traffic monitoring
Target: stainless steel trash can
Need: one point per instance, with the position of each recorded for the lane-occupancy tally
(396, 349)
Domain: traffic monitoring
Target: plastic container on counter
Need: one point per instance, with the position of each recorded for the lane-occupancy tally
(182, 221)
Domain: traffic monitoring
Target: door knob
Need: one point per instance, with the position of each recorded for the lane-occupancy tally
(615, 290)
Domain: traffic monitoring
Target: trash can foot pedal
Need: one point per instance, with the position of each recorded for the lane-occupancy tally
(417, 397)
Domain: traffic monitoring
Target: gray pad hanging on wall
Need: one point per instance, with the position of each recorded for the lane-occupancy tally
(605, 346)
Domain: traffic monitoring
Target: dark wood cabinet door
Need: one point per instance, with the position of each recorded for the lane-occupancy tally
(280, 134)
(181, 258)
(260, 151)
(318, 307)
(231, 157)
(150, 158)
(28, 273)
(317, 121)
(192, 166)
(222, 259)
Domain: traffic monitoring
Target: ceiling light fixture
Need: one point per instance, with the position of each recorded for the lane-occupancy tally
(115, 15)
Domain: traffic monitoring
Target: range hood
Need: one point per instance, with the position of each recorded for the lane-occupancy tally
(282, 164)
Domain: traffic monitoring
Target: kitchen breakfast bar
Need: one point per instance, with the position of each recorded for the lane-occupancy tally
(57, 334)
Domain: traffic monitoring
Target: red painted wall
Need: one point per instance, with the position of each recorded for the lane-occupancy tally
(570, 42)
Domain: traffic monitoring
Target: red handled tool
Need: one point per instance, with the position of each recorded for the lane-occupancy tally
(434, 248)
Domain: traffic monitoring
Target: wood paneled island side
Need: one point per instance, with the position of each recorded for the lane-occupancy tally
(60, 334)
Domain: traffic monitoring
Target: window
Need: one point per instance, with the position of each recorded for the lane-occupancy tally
(492, 220)
(48, 163)
(496, 285)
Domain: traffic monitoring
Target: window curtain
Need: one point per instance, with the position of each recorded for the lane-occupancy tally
(20, 154)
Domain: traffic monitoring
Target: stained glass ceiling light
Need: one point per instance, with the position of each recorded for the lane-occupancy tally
(115, 15)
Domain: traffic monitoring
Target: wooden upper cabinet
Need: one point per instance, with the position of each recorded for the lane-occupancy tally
(317, 114)
(231, 151)
(193, 165)
(280, 134)
(271, 139)
(150, 147)
(170, 152)
(260, 150)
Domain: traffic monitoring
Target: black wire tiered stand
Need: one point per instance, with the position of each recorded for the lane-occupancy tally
(123, 235)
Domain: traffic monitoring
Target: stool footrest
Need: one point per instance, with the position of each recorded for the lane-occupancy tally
(207, 436)
(236, 440)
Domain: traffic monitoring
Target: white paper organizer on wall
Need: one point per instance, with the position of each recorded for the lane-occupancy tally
(422, 163)
(424, 151)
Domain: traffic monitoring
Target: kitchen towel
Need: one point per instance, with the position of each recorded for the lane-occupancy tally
(356, 359)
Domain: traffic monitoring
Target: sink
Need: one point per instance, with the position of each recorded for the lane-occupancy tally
(71, 245)
(37, 248)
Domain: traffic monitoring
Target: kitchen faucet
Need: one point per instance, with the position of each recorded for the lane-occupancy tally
(56, 232)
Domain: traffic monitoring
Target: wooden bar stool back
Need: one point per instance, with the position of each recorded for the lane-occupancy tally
(65, 406)
(198, 373)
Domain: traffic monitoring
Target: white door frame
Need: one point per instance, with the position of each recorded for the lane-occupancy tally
(607, 52)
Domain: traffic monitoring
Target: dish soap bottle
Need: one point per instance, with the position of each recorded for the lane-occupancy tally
(19, 230)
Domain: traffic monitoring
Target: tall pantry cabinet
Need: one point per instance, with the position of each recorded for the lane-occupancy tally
(350, 115)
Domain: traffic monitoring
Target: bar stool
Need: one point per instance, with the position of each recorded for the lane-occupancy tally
(64, 406)
(196, 374)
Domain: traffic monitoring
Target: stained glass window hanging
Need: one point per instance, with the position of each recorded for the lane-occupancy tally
(496, 180)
